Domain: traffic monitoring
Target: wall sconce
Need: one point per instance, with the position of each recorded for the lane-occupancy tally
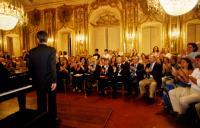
(50, 40)
(174, 34)
(130, 35)
(80, 38)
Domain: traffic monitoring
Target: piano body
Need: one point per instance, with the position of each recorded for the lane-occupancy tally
(17, 84)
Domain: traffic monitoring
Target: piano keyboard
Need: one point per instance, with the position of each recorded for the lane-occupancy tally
(15, 90)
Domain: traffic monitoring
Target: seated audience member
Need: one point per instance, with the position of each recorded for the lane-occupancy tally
(152, 78)
(184, 67)
(84, 63)
(165, 52)
(166, 71)
(113, 61)
(65, 54)
(77, 72)
(133, 52)
(90, 75)
(137, 74)
(105, 76)
(192, 50)
(156, 51)
(144, 59)
(122, 74)
(106, 55)
(181, 99)
(63, 72)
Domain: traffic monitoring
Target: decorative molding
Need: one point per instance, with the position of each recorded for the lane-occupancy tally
(107, 20)
(53, 4)
(149, 15)
(64, 13)
(34, 17)
(112, 3)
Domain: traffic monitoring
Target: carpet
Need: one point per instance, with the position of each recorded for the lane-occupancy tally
(83, 116)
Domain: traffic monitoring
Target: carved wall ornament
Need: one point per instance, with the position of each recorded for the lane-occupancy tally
(149, 10)
(197, 12)
(194, 14)
(35, 17)
(98, 3)
(64, 13)
(107, 20)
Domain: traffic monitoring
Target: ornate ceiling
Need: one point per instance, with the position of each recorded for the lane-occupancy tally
(29, 4)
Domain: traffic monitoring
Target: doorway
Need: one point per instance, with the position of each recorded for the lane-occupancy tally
(64, 42)
(151, 36)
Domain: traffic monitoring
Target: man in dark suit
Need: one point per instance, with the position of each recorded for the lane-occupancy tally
(137, 74)
(121, 75)
(42, 67)
(152, 78)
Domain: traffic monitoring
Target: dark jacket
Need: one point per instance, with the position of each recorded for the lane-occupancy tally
(140, 71)
(156, 72)
(42, 66)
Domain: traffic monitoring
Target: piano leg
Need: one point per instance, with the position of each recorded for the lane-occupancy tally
(22, 101)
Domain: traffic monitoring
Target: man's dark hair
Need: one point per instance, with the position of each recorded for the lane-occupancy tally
(64, 52)
(96, 49)
(42, 36)
(190, 66)
(194, 46)
(197, 56)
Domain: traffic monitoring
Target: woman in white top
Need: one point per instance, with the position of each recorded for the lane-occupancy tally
(181, 104)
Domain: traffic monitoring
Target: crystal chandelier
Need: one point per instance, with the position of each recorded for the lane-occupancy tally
(154, 5)
(178, 7)
(11, 13)
(172, 7)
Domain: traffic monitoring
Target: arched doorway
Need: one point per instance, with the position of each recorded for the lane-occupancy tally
(151, 35)
(193, 31)
(12, 44)
(105, 29)
(64, 41)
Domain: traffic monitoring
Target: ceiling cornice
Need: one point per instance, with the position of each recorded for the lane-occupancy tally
(31, 6)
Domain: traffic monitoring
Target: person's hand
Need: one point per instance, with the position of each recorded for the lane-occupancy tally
(174, 72)
(53, 86)
(61, 68)
(148, 70)
(181, 73)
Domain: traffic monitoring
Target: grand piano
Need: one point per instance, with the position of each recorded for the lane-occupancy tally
(16, 83)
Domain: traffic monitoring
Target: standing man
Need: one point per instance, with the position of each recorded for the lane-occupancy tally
(42, 67)
(96, 54)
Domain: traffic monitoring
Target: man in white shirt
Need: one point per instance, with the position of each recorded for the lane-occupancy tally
(106, 55)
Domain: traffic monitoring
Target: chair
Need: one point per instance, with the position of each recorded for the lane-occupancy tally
(108, 87)
(66, 85)
(120, 84)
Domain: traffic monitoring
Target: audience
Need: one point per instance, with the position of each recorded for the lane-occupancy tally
(140, 76)
(181, 99)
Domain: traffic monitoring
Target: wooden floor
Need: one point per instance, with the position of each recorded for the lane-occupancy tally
(127, 112)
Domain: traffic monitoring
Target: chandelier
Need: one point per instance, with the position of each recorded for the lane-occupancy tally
(154, 5)
(11, 13)
(172, 7)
